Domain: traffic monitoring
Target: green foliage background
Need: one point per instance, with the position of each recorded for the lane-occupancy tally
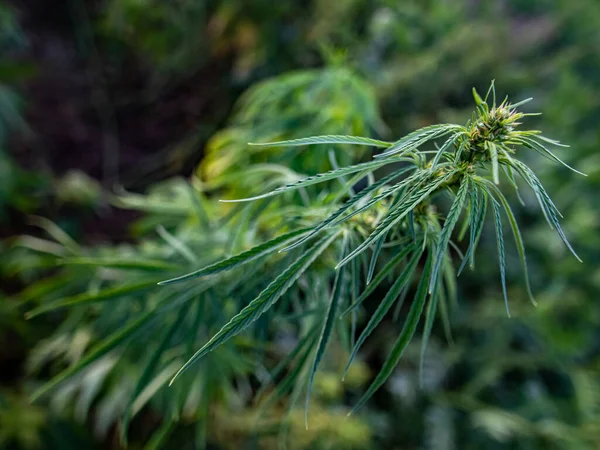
(285, 70)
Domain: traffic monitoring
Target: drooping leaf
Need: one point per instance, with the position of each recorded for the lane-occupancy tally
(408, 330)
(381, 275)
(149, 370)
(267, 298)
(325, 334)
(500, 240)
(429, 319)
(374, 256)
(449, 224)
(385, 305)
(517, 236)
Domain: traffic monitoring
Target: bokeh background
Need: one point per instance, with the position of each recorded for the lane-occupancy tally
(104, 98)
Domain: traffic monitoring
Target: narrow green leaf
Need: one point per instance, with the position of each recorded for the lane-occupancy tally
(478, 227)
(417, 138)
(148, 371)
(408, 330)
(242, 258)
(429, 319)
(381, 275)
(516, 234)
(56, 233)
(500, 240)
(493, 150)
(385, 305)
(444, 148)
(521, 103)
(325, 334)
(478, 100)
(374, 256)
(327, 139)
(543, 149)
(449, 225)
(267, 298)
(548, 208)
(177, 244)
(319, 178)
(491, 90)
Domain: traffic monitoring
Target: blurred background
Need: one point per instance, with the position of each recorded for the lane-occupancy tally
(104, 103)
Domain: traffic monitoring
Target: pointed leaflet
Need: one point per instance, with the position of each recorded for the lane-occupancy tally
(517, 236)
(385, 305)
(242, 258)
(418, 137)
(176, 244)
(493, 151)
(500, 240)
(149, 371)
(327, 139)
(535, 145)
(511, 178)
(305, 343)
(319, 178)
(477, 220)
(546, 204)
(429, 319)
(290, 380)
(444, 148)
(374, 256)
(491, 90)
(380, 277)
(408, 330)
(325, 334)
(449, 225)
(267, 298)
(397, 213)
(478, 100)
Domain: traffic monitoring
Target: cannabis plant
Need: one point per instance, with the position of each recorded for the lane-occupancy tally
(305, 259)
(397, 212)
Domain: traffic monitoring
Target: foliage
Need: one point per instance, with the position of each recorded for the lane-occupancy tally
(394, 213)
(527, 382)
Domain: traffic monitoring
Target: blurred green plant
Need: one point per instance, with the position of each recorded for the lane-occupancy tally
(104, 345)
